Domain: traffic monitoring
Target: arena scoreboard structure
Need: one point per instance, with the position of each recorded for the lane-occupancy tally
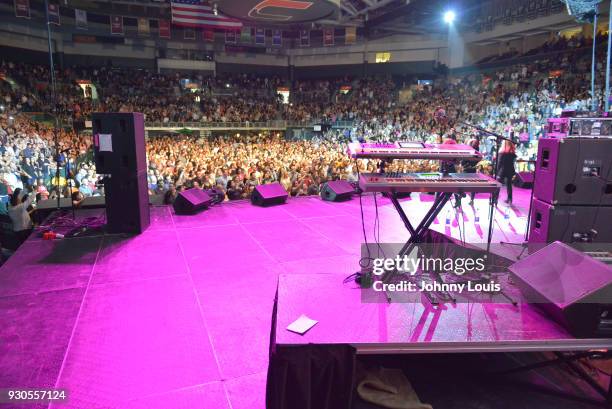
(279, 11)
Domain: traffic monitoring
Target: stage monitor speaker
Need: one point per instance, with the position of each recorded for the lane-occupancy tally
(269, 195)
(127, 203)
(571, 287)
(524, 180)
(191, 201)
(569, 223)
(119, 143)
(574, 171)
(337, 190)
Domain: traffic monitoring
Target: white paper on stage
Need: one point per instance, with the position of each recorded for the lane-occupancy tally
(105, 141)
(301, 325)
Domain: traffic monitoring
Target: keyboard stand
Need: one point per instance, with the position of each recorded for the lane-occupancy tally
(417, 234)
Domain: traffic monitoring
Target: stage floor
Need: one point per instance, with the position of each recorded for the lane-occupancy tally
(179, 317)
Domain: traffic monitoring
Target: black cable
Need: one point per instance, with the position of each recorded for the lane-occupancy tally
(364, 262)
(377, 229)
(461, 231)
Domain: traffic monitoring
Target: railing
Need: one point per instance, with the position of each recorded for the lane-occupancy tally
(276, 125)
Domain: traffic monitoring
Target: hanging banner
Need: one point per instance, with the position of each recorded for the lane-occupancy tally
(277, 38)
(80, 19)
(116, 23)
(260, 36)
(328, 37)
(208, 35)
(230, 37)
(144, 28)
(245, 35)
(189, 33)
(350, 35)
(53, 14)
(304, 38)
(164, 28)
(22, 8)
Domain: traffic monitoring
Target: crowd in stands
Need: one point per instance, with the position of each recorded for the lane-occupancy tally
(514, 100)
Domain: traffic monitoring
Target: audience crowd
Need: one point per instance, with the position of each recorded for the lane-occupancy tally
(514, 100)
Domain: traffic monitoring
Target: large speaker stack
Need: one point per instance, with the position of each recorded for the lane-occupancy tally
(572, 191)
(119, 153)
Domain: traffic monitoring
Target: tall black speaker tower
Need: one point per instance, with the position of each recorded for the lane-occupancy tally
(119, 153)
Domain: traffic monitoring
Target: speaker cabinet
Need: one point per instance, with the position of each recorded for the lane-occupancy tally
(119, 150)
(524, 180)
(269, 195)
(337, 190)
(572, 288)
(191, 201)
(574, 171)
(119, 143)
(127, 203)
(566, 223)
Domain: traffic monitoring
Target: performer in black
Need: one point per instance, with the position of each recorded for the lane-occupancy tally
(505, 167)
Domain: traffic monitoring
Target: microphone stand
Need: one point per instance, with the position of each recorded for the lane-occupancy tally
(54, 104)
(499, 138)
(69, 180)
(494, 197)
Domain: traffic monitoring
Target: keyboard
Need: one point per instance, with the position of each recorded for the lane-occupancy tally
(428, 182)
(412, 150)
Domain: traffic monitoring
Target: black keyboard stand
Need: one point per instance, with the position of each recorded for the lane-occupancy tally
(417, 234)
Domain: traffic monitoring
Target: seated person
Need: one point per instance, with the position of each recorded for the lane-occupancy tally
(20, 217)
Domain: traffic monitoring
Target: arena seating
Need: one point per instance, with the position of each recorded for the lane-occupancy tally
(513, 99)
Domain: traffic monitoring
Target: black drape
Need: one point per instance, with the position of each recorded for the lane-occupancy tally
(309, 376)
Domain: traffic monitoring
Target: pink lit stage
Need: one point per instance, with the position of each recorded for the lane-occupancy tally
(180, 316)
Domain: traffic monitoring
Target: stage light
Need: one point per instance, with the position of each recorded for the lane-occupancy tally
(449, 17)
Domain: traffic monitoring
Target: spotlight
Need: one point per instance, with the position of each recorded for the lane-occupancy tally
(215, 9)
(449, 17)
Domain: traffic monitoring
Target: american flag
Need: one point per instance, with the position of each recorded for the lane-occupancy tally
(193, 13)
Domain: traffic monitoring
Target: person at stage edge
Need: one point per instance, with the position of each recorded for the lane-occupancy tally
(19, 215)
(505, 167)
